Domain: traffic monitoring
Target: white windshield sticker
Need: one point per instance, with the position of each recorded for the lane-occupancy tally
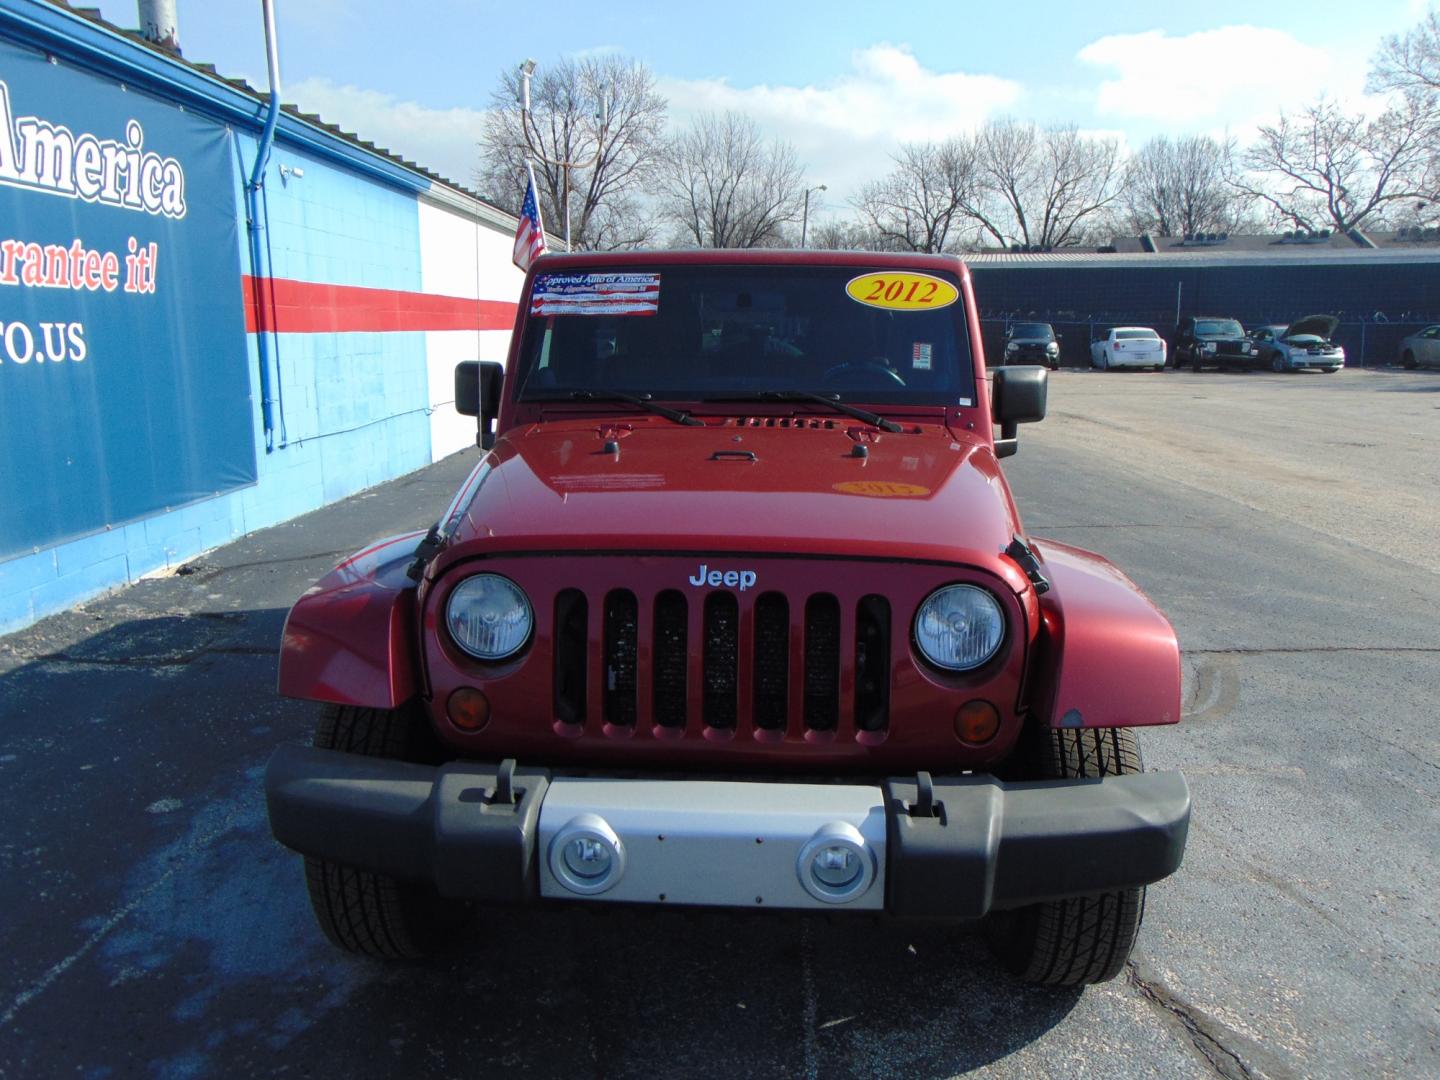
(920, 356)
(595, 294)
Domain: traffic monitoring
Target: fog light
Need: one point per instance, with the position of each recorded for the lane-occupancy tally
(586, 856)
(976, 722)
(835, 865)
(468, 709)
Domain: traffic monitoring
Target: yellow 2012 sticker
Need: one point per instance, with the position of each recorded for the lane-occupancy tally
(882, 489)
(901, 291)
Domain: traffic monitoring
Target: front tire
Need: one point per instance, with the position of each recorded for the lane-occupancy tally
(1277, 364)
(1408, 361)
(363, 912)
(1082, 939)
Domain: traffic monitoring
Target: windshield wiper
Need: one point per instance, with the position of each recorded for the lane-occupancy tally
(643, 400)
(831, 400)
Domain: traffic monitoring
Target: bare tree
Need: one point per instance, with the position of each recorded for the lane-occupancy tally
(1409, 65)
(846, 234)
(1181, 187)
(925, 200)
(1328, 168)
(604, 208)
(1409, 62)
(1045, 186)
(722, 185)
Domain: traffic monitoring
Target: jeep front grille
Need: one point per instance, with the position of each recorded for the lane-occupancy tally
(671, 659)
(621, 655)
(721, 660)
(724, 659)
(772, 661)
(822, 662)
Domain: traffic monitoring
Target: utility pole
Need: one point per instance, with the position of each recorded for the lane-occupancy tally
(526, 70)
(805, 216)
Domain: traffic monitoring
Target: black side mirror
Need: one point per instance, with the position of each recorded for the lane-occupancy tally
(477, 393)
(1017, 396)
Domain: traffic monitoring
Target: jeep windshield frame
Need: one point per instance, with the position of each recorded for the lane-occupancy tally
(700, 333)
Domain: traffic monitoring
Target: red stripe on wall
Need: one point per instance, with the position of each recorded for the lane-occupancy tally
(308, 307)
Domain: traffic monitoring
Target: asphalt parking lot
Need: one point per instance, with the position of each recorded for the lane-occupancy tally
(1289, 526)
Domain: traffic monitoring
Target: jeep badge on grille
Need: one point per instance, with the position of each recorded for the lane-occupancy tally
(716, 578)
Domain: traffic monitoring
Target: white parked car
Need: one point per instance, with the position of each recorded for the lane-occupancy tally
(1422, 349)
(1128, 346)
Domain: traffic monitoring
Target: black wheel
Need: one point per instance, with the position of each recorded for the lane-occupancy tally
(1408, 361)
(364, 912)
(1084, 939)
(1195, 364)
(1277, 364)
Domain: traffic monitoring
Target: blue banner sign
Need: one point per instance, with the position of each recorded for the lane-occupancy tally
(123, 383)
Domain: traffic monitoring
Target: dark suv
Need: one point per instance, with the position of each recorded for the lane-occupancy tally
(1032, 343)
(1216, 340)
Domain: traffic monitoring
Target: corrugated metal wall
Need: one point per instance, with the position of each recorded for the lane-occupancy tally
(1405, 296)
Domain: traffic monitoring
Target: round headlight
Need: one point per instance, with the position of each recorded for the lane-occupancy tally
(489, 617)
(1053, 348)
(959, 627)
(1011, 346)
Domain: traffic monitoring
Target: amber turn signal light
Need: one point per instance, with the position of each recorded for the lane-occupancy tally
(975, 722)
(468, 709)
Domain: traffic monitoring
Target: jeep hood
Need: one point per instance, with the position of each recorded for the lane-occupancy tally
(1321, 326)
(925, 493)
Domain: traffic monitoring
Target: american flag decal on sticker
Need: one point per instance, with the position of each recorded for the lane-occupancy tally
(595, 294)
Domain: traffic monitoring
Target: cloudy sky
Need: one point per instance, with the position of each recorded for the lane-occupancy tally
(844, 86)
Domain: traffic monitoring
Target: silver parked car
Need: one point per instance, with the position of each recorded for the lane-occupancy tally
(1305, 343)
(1422, 349)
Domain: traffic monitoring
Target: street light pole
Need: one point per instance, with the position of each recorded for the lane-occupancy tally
(526, 70)
(805, 216)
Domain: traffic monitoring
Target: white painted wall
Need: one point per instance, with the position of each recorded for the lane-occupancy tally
(460, 256)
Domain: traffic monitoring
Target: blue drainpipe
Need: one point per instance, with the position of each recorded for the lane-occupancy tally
(252, 212)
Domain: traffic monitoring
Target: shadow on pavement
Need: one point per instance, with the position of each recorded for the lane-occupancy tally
(154, 926)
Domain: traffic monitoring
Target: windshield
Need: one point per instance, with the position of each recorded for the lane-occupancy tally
(1032, 330)
(1219, 328)
(1126, 335)
(696, 332)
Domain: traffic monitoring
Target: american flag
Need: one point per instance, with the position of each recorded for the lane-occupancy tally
(530, 234)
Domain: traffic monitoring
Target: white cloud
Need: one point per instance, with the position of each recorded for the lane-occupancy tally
(1231, 77)
(845, 129)
(441, 140)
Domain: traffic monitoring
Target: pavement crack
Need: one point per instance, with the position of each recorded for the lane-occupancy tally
(1208, 527)
(1205, 1033)
(1315, 649)
(202, 571)
(188, 851)
(155, 661)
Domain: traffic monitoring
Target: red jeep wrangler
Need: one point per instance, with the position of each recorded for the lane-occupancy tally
(736, 609)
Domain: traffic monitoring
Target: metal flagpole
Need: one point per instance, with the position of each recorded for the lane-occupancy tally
(526, 70)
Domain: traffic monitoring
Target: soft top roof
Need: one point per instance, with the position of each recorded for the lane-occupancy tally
(749, 257)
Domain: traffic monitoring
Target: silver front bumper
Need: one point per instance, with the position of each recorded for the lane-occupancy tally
(725, 843)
